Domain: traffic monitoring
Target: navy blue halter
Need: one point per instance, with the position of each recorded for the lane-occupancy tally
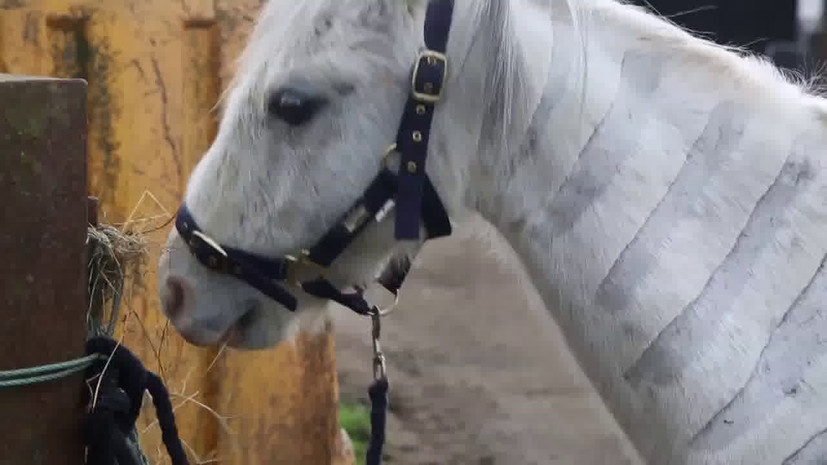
(409, 191)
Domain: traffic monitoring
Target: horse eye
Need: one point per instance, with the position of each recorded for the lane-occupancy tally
(295, 106)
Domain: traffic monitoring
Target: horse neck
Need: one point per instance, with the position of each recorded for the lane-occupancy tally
(588, 189)
(527, 136)
(523, 176)
(524, 113)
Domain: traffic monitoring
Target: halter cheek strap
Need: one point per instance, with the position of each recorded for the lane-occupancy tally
(410, 192)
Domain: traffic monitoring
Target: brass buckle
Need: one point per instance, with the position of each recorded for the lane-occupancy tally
(302, 265)
(217, 260)
(431, 57)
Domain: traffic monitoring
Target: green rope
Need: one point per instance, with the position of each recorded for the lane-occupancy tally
(55, 371)
(45, 373)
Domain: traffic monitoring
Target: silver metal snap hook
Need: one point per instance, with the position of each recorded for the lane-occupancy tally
(379, 368)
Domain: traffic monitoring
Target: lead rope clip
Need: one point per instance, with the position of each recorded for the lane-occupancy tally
(379, 368)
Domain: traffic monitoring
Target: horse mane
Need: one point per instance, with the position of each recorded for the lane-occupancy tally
(513, 89)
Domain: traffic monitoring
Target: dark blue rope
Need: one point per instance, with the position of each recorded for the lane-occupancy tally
(378, 393)
(124, 381)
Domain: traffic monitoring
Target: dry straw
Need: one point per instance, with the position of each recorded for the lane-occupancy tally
(114, 256)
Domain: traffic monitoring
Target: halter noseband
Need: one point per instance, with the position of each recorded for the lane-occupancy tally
(410, 192)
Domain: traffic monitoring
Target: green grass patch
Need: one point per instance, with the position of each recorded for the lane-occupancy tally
(355, 419)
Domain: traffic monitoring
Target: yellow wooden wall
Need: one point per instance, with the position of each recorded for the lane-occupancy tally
(155, 70)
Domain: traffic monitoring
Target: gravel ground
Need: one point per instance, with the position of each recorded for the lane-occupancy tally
(479, 370)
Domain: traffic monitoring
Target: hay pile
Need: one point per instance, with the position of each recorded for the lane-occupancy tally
(113, 257)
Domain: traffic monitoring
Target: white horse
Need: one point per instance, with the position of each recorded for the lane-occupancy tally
(667, 196)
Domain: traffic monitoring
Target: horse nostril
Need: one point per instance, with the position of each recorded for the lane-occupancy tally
(174, 298)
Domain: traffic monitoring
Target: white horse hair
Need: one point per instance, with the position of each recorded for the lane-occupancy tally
(667, 197)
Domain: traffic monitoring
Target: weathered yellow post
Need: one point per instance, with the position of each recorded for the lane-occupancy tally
(155, 70)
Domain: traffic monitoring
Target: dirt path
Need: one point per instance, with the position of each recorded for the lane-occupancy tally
(479, 372)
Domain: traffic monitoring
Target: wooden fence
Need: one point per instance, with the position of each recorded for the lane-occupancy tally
(43, 271)
(155, 69)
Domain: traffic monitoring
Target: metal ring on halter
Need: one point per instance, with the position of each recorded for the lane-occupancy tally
(385, 311)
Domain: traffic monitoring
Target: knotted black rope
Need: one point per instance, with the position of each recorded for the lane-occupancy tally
(378, 393)
(117, 404)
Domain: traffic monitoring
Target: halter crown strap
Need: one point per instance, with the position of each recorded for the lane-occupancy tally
(428, 80)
